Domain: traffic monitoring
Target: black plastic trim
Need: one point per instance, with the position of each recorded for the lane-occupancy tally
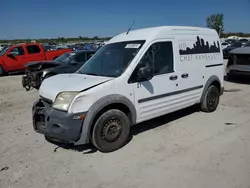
(169, 94)
(214, 65)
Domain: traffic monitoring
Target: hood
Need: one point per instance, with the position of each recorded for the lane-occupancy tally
(52, 86)
(37, 63)
(243, 50)
(230, 48)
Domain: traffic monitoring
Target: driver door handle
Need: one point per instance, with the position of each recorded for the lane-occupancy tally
(185, 75)
(173, 77)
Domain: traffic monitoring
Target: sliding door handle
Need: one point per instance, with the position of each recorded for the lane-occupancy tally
(185, 75)
(173, 77)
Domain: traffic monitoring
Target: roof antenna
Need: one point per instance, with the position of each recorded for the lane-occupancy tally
(130, 27)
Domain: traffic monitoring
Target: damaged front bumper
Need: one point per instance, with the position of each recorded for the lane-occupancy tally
(55, 124)
(31, 80)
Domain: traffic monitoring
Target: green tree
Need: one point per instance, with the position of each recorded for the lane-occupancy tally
(216, 21)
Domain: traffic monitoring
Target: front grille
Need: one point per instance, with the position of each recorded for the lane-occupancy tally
(242, 59)
(34, 78)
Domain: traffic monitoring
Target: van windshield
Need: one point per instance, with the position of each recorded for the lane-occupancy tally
(112, 59)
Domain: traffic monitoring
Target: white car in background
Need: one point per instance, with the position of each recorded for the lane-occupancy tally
(224, 45)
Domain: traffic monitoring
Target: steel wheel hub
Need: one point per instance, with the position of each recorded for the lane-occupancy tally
(112, 130)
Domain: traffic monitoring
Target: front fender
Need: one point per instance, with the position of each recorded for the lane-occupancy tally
(97, 107)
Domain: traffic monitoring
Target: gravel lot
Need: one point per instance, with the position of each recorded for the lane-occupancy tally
(184, 149)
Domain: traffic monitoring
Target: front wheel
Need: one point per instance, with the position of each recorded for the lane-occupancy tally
(111, 131)
(211, 99)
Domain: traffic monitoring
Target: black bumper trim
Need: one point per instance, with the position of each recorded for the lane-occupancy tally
(56, 124)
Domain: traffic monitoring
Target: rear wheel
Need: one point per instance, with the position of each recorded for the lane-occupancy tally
(211, 100)
(111, 131)
(2, 71)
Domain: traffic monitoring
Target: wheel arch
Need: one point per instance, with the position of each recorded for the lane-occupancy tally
(104, 104)
(213, 80)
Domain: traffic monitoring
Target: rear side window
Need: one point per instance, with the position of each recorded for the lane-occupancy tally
(33, 49)
(17, 51)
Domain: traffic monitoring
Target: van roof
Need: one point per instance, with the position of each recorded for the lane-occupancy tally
(161, 31)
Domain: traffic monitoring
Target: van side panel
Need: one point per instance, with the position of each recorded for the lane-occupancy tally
(200, 58)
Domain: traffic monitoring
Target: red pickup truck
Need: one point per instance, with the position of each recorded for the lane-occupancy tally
(14, 58)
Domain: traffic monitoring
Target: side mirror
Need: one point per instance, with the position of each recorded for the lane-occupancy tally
(10, 54)
(144, 74)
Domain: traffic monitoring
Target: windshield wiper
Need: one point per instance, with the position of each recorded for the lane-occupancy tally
(92, 74)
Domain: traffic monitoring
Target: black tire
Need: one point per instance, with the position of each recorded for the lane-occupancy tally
(115, 121)
(230, 77)
(2, 71)
(211, 99)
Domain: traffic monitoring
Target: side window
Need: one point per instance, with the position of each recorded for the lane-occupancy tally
(33, 49)
(159, 57)
(17, 51)
(162, 57)
(89, 55)
(80, 58)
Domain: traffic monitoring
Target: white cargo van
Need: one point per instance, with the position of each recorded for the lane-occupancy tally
(135, 77)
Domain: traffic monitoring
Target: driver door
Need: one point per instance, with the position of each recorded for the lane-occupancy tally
(156, 97)
(17, 60)
(75, 63)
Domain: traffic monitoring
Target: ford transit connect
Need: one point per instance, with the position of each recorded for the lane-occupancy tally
(136, 76)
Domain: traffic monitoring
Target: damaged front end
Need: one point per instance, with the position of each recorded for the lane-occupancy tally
(239, 65)
(32, 79)
(33, 76)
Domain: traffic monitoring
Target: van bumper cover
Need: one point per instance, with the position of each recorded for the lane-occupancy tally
(222, 90)
(57, 125)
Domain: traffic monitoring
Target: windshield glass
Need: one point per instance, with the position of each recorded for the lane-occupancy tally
(112, 59)
(247, 44)
(64, 58)
(243, 40)
(237, 44)
(230, 41)
(4, 50)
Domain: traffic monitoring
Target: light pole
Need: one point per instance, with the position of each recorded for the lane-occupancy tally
(220, 27)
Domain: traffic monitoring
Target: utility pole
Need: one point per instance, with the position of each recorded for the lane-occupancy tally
(220, 27)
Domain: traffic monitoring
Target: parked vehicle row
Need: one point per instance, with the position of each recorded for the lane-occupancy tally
(136, 76)
(14, 58)
(231, 44)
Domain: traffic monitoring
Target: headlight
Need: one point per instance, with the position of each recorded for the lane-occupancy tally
(63, 100)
